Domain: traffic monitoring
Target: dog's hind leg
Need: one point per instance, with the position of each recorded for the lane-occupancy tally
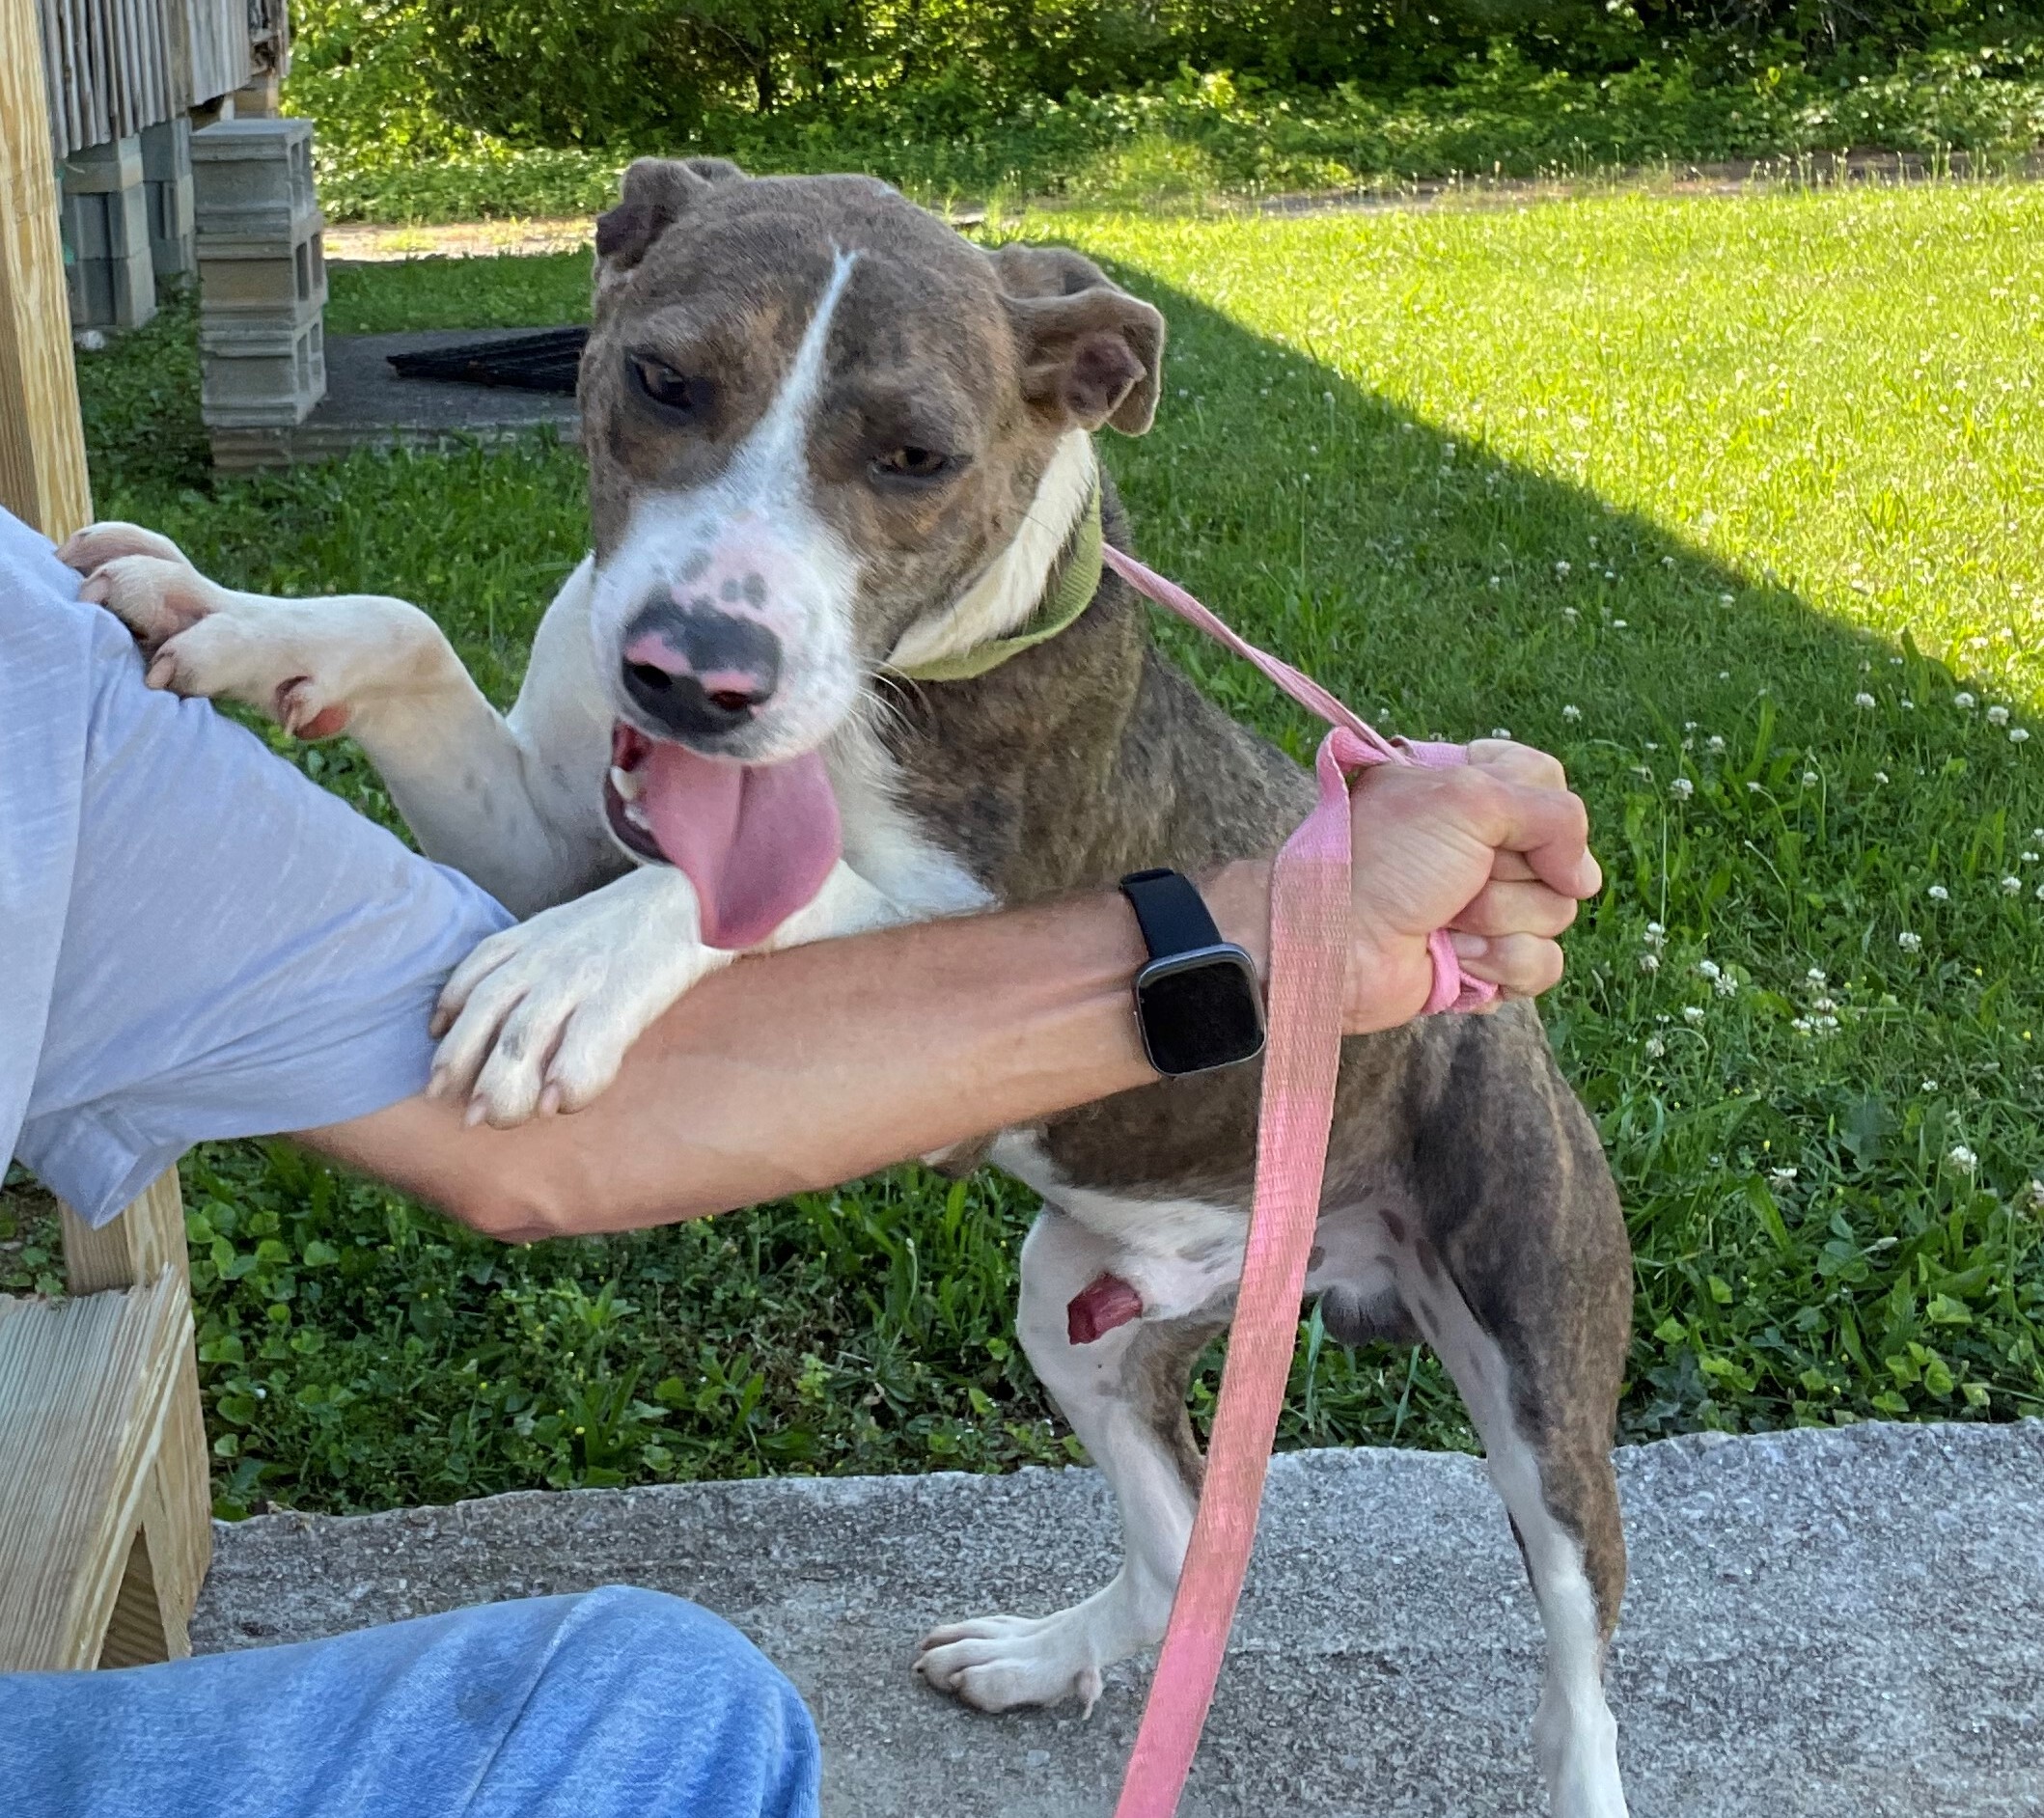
(1539, 1386)
(1124, 1396)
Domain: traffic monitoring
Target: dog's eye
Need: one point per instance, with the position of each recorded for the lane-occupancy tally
(673, 392)
(913, 463)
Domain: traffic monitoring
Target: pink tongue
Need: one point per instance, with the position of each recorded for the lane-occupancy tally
(756, 840)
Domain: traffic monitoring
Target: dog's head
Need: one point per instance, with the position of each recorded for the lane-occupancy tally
(814, 417)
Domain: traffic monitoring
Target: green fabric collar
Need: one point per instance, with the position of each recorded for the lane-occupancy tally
(1069, 596)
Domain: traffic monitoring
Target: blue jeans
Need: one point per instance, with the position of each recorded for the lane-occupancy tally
(616, 1704)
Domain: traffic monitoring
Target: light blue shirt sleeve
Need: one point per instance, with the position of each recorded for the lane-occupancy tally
(195, 941)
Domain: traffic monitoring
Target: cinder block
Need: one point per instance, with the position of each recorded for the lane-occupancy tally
(248, 275)
(109, 274)
(254, 182)
(167, 179)
(261, 374)
(94, 169)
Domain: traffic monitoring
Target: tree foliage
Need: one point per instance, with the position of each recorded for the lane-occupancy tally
(621, 74)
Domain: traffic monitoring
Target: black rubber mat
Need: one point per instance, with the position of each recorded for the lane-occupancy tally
(544, 362)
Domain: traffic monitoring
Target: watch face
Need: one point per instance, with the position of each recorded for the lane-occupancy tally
(1199, 1010)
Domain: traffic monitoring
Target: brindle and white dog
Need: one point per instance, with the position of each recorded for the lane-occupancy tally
(831, 443)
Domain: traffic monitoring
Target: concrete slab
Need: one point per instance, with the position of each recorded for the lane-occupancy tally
(1820, 1622)
(368, 405)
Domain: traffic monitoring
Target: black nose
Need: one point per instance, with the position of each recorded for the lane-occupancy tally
(698, 674)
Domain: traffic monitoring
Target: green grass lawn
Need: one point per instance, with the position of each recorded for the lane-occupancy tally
(1738, 505)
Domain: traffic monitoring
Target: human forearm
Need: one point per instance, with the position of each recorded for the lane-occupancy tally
(802, 1069)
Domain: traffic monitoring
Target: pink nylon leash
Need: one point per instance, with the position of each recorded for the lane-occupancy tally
(1309, 942)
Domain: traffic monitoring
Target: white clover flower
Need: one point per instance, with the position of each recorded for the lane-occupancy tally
(1963, 701)
(1715, 743)
(1810, 779)
(1501, 732)
(1909, 943)
(1930, 1086)
(1780, 1176)
(1562, 568)
(1692, 1014)
(1654, 1047)
(1963, 1158)
(1752, 788)
(2011, 887)
(1823, 1007)
(1817, 975)
(1571, 714)
(1880, 776)
(1618, 625)
(1668, 561)
(2019, 735)
(1863, 699)
(1937, 893)
(2030, 858)
(1709, 969)
(1827, 1022)
(2036, 1193)
(1497, 580)
(1725, 674)
(1571, 614)
(1801, 1025)
(1656, 935)
(1727, 986)
(1681, 789)
(1909, 704)
(1723, 599)
(1649, 962)
(1996, 716)
(1610, 574)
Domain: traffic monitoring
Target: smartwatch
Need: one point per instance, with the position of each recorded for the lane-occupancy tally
(1197, 1002)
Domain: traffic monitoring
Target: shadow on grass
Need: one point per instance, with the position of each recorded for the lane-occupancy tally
(1759, 1010)
(1807, 1250)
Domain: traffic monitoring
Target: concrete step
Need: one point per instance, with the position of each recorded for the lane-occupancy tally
(1836, 1624)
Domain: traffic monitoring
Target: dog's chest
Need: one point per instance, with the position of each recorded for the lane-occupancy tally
(902, 854)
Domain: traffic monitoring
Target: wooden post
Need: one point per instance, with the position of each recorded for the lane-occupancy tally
(176, 1542)
(43, 476)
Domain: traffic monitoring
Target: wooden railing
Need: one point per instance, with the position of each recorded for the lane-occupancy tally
(105, 1529)
(105, 1511)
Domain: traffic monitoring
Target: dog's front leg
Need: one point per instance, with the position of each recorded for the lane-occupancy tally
(539, 1017)
(465, 781)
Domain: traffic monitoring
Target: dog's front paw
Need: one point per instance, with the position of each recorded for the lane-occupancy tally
(996, 1663)
(97, 544)
(156, 597)
(539, 1017)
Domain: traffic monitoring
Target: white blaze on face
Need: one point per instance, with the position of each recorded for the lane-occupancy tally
(756, 526)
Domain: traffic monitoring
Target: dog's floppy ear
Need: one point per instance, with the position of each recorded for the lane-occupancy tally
(656, 193)
(1091, 352)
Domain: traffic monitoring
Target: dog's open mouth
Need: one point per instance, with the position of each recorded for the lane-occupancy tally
(756, 840)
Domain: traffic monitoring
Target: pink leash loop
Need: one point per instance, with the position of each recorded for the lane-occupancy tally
(1308, 940)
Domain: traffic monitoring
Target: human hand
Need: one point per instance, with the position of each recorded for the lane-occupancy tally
(1496, 851)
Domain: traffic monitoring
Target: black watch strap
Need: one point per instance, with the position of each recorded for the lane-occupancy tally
(1170, 913)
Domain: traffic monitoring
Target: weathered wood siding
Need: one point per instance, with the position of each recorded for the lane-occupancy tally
(113, 67)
